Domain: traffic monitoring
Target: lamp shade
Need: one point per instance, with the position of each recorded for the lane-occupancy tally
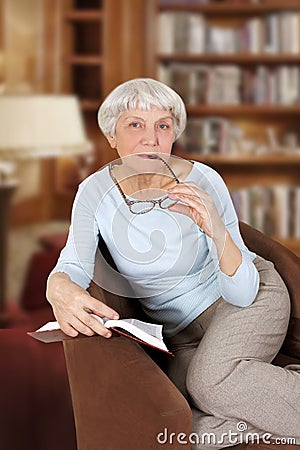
(37, 126)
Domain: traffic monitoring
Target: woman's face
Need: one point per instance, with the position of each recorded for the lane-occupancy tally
(143, 132)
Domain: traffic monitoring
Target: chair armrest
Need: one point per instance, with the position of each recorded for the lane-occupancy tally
(36, 410)
(121, 398)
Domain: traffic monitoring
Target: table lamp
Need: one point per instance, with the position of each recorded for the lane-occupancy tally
(31, 127)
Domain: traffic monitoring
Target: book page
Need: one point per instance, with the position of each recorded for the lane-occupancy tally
(50, 326)
(150, 328)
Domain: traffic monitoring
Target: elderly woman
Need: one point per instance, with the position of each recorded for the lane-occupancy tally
(173, 233)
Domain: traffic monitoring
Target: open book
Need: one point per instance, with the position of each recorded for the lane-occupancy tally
(143, 332)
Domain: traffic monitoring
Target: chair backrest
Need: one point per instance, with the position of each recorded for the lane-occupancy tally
(125, 306)
(287, 265)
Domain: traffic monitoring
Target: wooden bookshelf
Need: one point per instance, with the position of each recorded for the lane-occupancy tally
(81, 15)
(247, 59)
(244, 110)
(275, 159)
(232, 9)
(85, 60)
(83, 24)
(239, 170)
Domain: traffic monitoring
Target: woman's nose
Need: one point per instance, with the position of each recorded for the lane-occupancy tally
(150, 137)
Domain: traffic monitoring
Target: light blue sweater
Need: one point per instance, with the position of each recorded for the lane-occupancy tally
(164, 259)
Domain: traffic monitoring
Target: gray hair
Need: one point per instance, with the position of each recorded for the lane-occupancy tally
(142, 93)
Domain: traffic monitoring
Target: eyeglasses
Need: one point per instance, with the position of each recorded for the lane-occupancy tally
(145, 206)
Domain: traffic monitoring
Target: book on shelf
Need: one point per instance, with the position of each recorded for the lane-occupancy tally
(166, 32)
(145, 333)
(196, 34)
(253, 35)
(271, 34)
(288, 85)
(274, 210)
(296, 212)
(281, 203)
(241, 202)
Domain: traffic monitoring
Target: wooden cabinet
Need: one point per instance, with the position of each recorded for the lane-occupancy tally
(269, 121)
(84, 53)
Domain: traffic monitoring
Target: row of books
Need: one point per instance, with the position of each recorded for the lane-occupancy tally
(231, 84)
(274, 210)
(190, 32)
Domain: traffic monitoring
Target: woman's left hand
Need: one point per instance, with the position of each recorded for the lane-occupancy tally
(199, 206)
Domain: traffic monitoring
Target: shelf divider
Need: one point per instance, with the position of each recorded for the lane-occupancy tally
(231, 9)
(88, 15)
(88, 60)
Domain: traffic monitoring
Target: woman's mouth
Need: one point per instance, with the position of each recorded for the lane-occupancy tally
(147, 155)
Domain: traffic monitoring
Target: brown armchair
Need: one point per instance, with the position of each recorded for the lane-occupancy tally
(121, 397)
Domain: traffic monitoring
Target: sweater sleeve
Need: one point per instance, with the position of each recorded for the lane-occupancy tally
(77, 259)
(241, 288)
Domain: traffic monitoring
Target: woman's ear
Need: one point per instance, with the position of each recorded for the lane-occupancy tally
(112, 141)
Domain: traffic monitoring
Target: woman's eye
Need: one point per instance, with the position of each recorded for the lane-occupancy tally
(163, 126)
(135, 125)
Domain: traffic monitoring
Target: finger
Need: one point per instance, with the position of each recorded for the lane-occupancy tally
(189, 210)
(81, 327)
(193, 202)
(68, 329)
(188, 189)
(194, 209)
(95, 325)
(184, 196)
(64, 324)
(181, 208)
(101, 309)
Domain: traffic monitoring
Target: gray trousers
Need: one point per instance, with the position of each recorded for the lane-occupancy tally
(223, 367)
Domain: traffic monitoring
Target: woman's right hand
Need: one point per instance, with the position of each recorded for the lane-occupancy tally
(71, 304)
